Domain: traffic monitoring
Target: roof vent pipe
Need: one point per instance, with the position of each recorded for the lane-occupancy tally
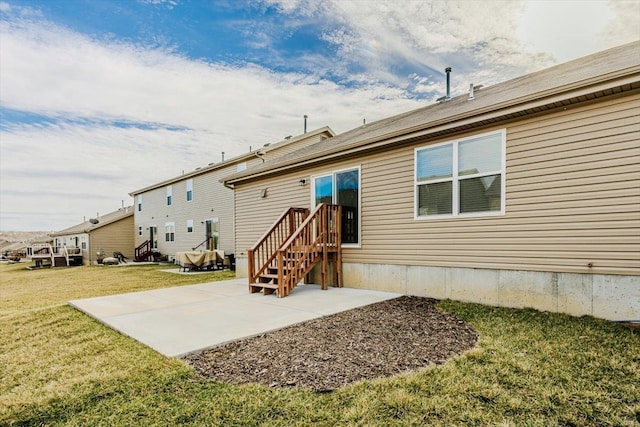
(448, 71)
(471, 92)
(305, 123)
(223, 156)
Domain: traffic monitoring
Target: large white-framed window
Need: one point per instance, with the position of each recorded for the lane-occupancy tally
(169, 231)
(189, 226)
(341, 187)
(189, 190)
(169, 194)
(461, 178)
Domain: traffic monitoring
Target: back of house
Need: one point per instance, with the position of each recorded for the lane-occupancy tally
(195, 211)
(522, 194)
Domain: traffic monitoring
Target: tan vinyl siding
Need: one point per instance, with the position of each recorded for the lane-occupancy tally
(572, 199)
(117, 236)
(210, 200)
(254, 214)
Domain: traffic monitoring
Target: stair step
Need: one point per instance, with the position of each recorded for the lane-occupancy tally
(265, 285)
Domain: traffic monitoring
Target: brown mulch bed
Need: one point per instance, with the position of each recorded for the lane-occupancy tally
(378, 340)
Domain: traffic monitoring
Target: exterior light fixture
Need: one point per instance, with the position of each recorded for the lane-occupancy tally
(263, 193)
(302, 182)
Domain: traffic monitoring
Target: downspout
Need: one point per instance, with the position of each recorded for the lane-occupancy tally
(90, 248)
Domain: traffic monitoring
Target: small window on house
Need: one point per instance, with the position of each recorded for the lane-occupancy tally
(140, 231)
(140, 203)
(189, 190)
(169, 194)
(170, 231)
(462, 177)
(241, 166)
(189, 226)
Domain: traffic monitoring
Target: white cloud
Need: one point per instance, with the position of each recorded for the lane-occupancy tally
(565, 29)
(89, 87)
(483, 41)
(426, 37)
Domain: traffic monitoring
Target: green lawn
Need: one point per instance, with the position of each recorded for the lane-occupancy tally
(60, 367)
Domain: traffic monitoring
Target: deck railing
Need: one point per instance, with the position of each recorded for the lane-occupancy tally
(311, 243)
(264, 252)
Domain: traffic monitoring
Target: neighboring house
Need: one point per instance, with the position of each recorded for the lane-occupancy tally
(14, 250)
(522, 194)
(194, 211)
(106, 234)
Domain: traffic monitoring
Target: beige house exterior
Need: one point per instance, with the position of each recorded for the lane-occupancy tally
(108, 233)
(522, 194)
(195, 211)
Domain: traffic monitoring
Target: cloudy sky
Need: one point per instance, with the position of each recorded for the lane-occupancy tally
(101, 97)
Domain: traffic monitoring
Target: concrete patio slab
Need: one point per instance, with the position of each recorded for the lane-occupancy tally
(186, 319)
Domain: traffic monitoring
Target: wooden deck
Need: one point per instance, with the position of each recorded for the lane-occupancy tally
(56, 256)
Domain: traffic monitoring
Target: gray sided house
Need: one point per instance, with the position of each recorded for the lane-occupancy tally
(106, 234)
(195, 211)
(522, 194)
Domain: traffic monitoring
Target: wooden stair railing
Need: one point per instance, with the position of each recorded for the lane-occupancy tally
(65, 254)
(263, 253)
(52, 254)
(201, 243)
(315, 240)
(143, 252)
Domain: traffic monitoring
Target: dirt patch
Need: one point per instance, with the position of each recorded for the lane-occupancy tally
(378, 340)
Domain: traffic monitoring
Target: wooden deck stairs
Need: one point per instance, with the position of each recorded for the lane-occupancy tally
(296, 243)
(144, 252)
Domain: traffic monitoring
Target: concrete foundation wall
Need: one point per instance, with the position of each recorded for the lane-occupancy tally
(612, 297)
(242, 267)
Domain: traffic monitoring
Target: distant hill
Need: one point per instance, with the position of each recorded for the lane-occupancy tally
(22, 236)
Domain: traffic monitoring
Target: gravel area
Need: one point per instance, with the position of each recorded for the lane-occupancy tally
(379, 340)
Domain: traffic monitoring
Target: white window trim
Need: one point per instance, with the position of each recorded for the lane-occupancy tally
(169, 195)
(173, 226)
(189, 225)
(157, 238)
(189, 186)
(333, 173)
(214, 220)
(455, 180)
